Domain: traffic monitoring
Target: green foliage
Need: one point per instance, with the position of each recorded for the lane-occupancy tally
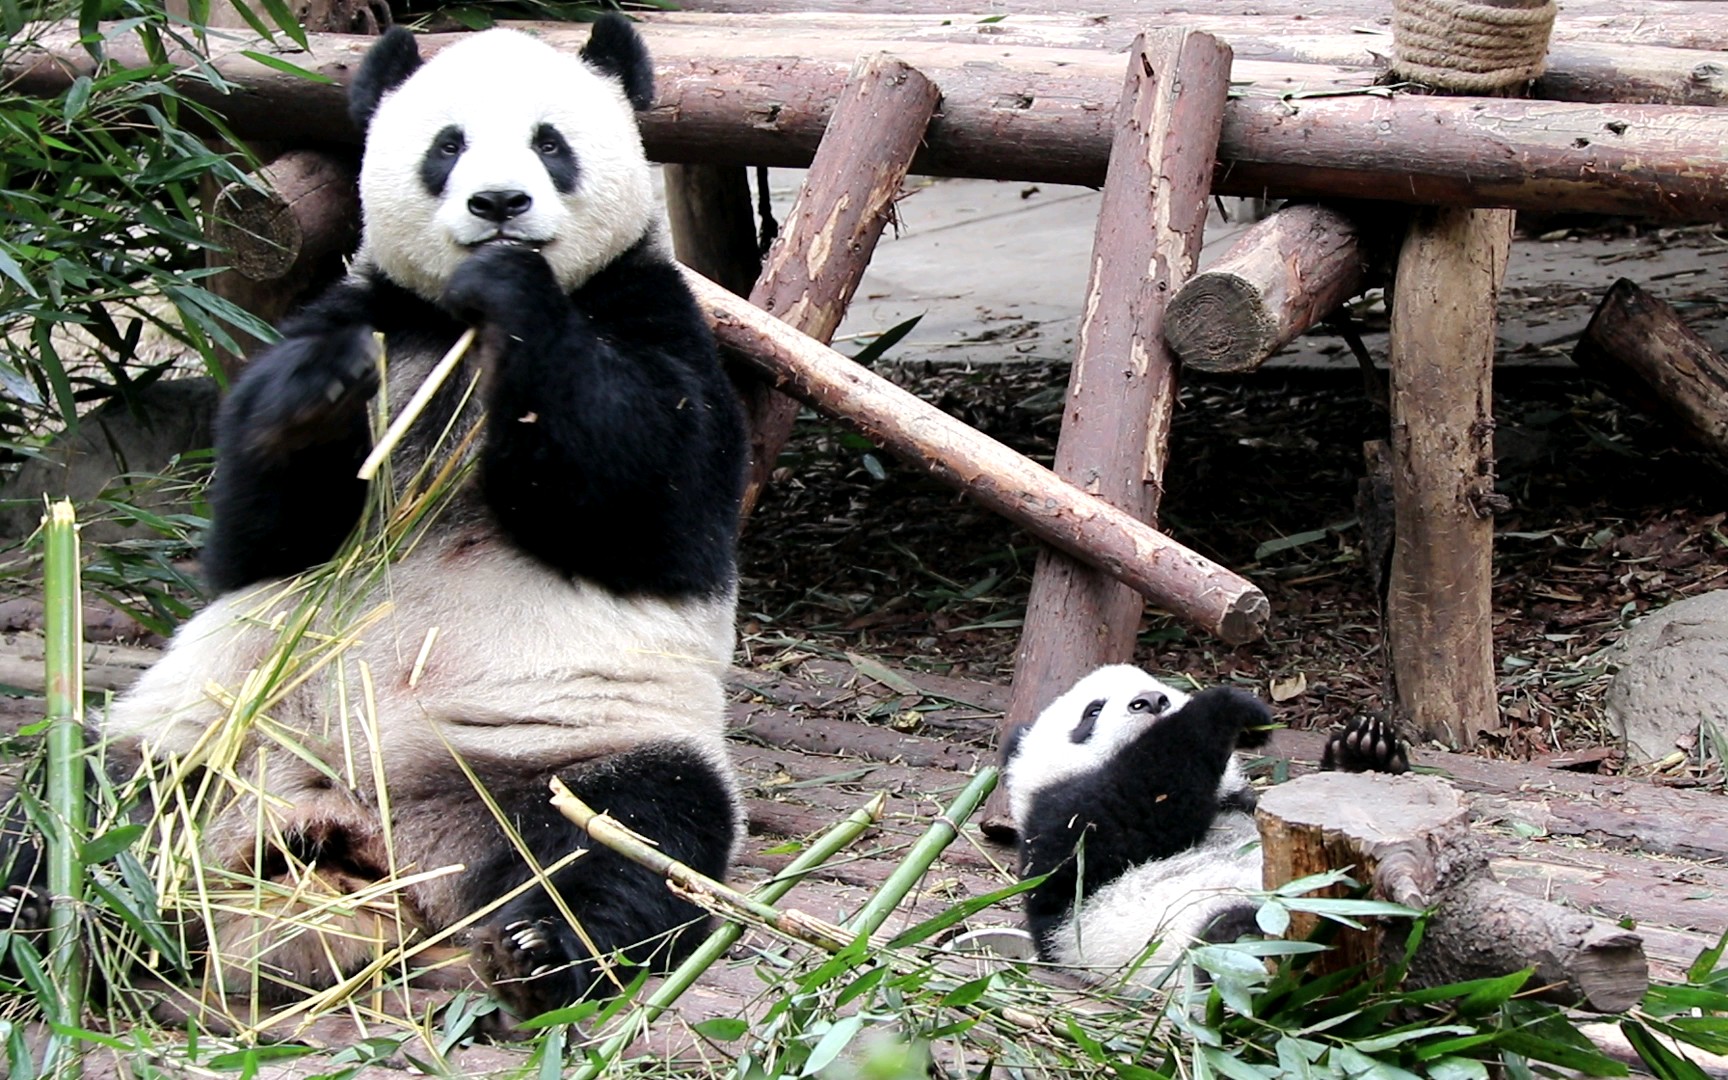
(102, 245)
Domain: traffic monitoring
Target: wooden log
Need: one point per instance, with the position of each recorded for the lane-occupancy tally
(1639, 347)
(1408, 838)
(1278, 279)
(713, 231)
(1190, 586)
(820, 256)
(283, 243)
(1439, 608)
(1044, 117)
(1677, 22)
(1122, 386)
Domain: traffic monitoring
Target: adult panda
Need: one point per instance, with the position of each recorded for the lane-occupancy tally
(569, 611)
(1128, 798)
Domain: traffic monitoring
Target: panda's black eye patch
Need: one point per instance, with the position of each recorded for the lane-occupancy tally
(440, 158)
(556, 155)
(1088, 722)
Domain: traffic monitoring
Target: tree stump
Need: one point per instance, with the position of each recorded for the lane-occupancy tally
(1408, 839)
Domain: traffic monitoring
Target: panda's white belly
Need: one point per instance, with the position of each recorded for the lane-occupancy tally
(467, 647)
(1169, 900)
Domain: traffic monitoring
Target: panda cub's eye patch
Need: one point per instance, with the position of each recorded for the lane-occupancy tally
(556, 156)
(441, 157)
(1088, 722)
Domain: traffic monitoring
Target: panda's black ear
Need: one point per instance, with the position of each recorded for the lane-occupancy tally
(616, 49)
(388, 63)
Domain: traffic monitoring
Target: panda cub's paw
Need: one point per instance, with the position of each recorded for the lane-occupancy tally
(1367, 744)
(531, 966)
(1241, 715)
(505, 285)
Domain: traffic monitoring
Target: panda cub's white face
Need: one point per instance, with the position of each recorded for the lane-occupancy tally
(1086, 727)
(502, 139)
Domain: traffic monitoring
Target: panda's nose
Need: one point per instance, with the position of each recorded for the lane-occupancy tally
(499, 205)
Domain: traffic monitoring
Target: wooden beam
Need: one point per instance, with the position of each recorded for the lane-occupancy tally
(1203, 594)
(1642, 351)
(1281, 276)
(1043, 116)
(820, 256)
(1122, 387)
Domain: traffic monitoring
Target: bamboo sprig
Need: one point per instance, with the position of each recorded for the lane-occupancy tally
(726, 935)
(67, 797)
(692, 885)
(416, 404)
(935, 840)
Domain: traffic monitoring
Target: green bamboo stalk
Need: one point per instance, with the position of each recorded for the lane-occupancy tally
(63, 652)
(727, 934)
(935, 840)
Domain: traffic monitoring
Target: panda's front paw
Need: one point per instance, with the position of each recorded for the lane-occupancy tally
(308, 390)
(1367, 744)
(503, 285)
(1241, 715)
(531, 966)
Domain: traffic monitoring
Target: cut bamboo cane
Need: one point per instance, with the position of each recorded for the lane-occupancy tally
(67, 794)
(1195, 589)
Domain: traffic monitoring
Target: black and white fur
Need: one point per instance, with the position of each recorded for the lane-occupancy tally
(579, 589)
(1127, 794)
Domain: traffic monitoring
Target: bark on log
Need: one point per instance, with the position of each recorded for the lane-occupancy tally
(1122, 386)
(1439, 608)
(1043, 116)
(1190, 586)
(1638, 346)
(1408, 838)
(820, 256)
(713, 231)
(1282, 276)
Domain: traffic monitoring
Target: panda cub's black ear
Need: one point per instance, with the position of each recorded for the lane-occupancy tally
(616, 49)
(387, 65)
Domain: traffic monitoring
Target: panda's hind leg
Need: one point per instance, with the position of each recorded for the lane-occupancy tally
(527, 952)
(1366, 744)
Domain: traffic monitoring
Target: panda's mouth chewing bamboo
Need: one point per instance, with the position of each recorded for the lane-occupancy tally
(500, 240)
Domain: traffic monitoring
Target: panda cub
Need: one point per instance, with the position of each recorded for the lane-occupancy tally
(1127, 794)
(568, 612)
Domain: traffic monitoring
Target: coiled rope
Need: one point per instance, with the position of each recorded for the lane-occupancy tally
(1469, 47)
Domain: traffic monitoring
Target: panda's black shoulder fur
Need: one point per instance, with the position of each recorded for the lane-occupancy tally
(614, 452)
(1154, 799)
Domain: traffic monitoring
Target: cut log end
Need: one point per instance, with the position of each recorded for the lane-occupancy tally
(1246, 618)
(1218, 322)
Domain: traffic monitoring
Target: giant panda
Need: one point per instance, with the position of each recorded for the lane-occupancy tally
(1129, 801)
(568, 613)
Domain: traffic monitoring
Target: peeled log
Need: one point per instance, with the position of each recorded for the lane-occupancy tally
(1282, 276)
(820, 256)
(1408, 838)
(1639, 347)
(1188, 585)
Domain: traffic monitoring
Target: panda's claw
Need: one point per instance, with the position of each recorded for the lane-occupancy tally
(1367, 744)
(23, 908)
